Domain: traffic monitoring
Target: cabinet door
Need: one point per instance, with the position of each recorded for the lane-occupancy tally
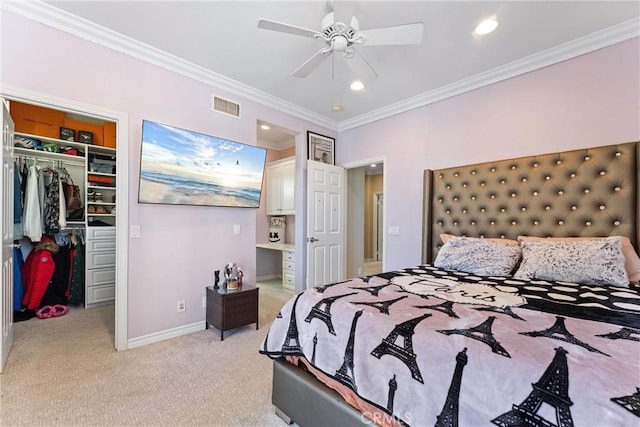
(287, 180)
(273, 190)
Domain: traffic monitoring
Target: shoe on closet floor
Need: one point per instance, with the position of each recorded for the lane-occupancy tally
(59, 310)
(45, 312)
(91, 209)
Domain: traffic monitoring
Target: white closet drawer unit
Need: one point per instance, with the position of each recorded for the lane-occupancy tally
(101, 259)
(289, 280)
(102, 276)
(100, 294)
(288, 256)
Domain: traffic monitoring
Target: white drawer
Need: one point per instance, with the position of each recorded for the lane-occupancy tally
(288, 280)
(102, 276)
(101, 245)
(101, 259)
(288, 265)
(101, 294)
(101, 233)
(288, 256)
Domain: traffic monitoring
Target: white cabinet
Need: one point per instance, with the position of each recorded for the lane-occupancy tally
(100, 280)
(288, 270)
(281, 176)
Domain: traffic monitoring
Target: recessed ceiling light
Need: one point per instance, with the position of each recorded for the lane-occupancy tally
(337, 107)
(373, 165)
(357, 85)
(265, 127)
(486, 26)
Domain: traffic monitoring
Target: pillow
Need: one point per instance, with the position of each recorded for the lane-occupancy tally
(586, 261)
(631, 259)
(478, 256)
(445, 238)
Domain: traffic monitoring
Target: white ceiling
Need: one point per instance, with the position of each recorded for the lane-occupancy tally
(222, 36)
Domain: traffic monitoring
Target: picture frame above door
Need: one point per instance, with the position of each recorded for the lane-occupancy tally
(321, 148)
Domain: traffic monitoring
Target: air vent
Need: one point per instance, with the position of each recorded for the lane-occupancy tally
(226, 106)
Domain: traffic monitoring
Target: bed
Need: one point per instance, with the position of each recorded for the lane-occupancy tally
(500, 325)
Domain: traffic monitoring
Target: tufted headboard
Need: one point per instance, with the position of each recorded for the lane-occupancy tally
(584, 193)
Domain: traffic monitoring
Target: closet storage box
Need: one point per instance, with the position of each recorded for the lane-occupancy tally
(36, 120)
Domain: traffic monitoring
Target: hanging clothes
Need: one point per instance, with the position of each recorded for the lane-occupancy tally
(57, 289)
(37, 272)
(52, 204)
(76, 288)
(32, 220)
(17, 203)
(18, 288)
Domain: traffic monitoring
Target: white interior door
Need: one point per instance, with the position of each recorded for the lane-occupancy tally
(6, 195)
(326, 219)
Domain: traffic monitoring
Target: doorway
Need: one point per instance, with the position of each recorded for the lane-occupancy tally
(122, 184)
(365, 217)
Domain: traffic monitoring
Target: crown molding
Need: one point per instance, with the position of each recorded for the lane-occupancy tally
(51, 16)
(57, 18)
(580, 46)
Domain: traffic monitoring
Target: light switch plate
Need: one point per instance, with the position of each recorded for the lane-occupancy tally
(134, 232)
(394, 230)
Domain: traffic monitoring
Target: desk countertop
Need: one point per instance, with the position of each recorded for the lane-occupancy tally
(277, 246)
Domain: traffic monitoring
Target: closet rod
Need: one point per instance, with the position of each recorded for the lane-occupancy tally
(53, 162)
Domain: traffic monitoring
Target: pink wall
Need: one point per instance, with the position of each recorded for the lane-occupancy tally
(588, 101)
(179, 246)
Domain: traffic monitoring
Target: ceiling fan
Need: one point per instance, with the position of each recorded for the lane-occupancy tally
(339, 37)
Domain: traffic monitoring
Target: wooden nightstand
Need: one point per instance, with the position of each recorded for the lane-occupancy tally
(231, 309)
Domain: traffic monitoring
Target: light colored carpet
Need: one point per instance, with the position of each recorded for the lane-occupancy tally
(65, 371)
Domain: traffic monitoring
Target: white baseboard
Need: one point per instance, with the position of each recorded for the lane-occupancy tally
(268, 277)
(165, 335)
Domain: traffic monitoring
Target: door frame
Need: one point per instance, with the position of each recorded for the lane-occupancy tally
(368, 162)
(374, 224)
(122, 184)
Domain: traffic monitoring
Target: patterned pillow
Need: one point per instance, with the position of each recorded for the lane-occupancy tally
(478, 256)
(631, 259)
(590, 262)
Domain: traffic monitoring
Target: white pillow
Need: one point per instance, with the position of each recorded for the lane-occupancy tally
(590, 262)
(478, 256)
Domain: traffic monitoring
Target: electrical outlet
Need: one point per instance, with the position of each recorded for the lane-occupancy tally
(182, 305)
(204, 302)
(359, 271)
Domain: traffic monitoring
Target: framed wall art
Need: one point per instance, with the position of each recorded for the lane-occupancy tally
(85, 137)
(321, 148)
(67, 134)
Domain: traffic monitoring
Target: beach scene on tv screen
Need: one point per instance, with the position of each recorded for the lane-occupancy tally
(183, 167)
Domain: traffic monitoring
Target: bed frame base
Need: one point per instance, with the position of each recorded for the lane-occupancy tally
(300, 398)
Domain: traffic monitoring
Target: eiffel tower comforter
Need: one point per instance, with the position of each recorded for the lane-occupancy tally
(424, 346)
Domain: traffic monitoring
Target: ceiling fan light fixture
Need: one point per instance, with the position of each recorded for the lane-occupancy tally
(357, 85)
(486, 26)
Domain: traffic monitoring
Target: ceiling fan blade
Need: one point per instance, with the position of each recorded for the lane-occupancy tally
(361, 68)
(311, 63)
(267, 24)
(399, 34)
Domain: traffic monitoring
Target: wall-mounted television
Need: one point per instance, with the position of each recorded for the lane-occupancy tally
(182, 167)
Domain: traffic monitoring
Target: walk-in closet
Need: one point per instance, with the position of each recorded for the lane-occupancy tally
(64, 205)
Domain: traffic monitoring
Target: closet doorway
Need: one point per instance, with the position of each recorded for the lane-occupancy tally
(365, 217)
(121, 196)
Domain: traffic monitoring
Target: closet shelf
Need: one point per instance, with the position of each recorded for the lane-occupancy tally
(101, 203)
(79, 145)
(46, 155)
